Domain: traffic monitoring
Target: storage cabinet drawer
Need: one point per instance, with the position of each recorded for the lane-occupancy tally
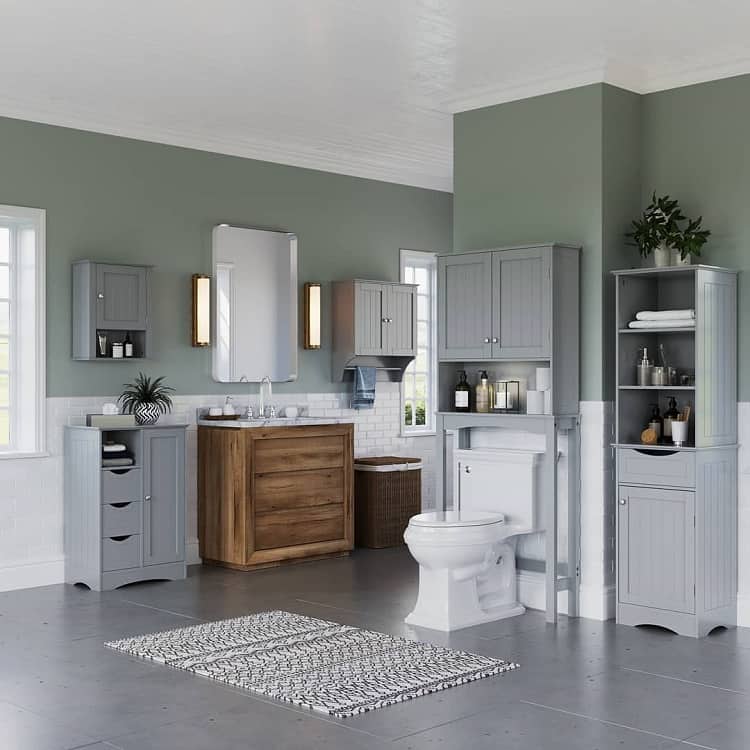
(286, 528)
(298, 489)
(652, 467)
(295, 454)
(122, 485)
(121, 519)
(121, 552)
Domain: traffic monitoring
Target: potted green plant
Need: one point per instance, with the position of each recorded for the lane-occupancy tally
(658, 229)
(688, 245)
(147, 399)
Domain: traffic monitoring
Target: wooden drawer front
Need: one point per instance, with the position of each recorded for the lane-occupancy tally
(298, 489)
(121, 519)
(122, 485)
(121, 552)
(660, 468)
(295, 454)
(287, 528)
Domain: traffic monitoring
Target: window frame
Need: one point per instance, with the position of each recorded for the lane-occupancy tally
(18, 217)
(424, 259)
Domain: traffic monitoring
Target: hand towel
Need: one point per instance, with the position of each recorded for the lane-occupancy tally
(665, 315)
(683, 323)
(363, 388)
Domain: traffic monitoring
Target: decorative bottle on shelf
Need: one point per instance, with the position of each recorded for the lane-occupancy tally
(644, 368)
(461, 393)
(128, 345)
(669, 416)
(483, 399)
(656, 423)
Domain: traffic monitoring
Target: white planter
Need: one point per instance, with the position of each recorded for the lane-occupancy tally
(678, 261)
(662, 256)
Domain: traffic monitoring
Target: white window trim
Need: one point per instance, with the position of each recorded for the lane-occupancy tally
(420, 256)
(37, 216)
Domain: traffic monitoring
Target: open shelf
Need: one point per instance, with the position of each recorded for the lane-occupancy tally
(657, 330)
(656, 387)
(658, 447)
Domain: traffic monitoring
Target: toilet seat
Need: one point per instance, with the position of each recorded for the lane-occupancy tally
(456, 519)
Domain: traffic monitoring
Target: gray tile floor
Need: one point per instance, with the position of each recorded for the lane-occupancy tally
(582, 685)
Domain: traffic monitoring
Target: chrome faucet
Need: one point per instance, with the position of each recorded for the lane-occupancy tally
(262, 397)
(249, 412)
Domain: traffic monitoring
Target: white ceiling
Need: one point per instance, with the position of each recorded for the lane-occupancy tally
(363, 87)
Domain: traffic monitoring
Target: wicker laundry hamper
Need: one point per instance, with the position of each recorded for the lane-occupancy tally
(387, 493)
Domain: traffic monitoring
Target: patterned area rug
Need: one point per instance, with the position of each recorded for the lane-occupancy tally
(335, 669)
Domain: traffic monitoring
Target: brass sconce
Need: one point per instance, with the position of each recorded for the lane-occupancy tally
(312, 316)
(201, 310)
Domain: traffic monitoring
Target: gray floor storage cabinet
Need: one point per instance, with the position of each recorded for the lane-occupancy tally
(677, 506)
(125, 524)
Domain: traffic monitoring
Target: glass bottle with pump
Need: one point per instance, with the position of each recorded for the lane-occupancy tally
(483, 393)
(461, 393)
(669, 416)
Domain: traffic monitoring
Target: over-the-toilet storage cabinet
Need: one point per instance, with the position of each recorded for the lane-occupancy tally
(677, 506)
(124, 524)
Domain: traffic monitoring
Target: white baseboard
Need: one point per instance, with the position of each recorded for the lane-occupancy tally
(192, 552)
(596, 602)
(32, 574)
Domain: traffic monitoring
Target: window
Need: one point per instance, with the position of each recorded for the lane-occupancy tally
(22, 323)
(418, 388)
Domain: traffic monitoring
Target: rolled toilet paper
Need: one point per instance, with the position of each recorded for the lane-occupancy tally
(548, 402)
(543, 378)
(535, 402)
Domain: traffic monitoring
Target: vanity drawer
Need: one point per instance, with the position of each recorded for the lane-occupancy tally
(121, 519)
(296, 454)
(122, 485)
(298, 489)
(653, 467)
(121, 552)
(287, 528)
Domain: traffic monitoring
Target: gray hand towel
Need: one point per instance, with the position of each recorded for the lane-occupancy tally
(363, 393)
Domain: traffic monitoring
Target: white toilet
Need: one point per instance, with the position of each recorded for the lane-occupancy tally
(467, 557)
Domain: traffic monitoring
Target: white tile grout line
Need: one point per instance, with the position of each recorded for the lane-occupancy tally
(682, 679)
(622, 726)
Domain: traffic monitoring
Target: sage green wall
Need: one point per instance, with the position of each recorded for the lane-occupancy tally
(696, 148)
(532, 170)
(120, 200)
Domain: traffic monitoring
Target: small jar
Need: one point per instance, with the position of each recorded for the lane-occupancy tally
(659, 376)
(117, 350)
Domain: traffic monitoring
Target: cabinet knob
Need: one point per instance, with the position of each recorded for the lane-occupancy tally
(494, 339)
(467, 469)
(100, 296)
(487, 340)
(622, 501)
(147, 498)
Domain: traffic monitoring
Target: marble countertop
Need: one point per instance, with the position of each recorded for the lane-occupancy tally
(273, 422)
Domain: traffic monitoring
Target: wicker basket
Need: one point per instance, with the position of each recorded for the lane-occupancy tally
(387, 493)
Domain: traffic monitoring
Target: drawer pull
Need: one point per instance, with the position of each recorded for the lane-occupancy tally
(120, 472)
(647, 452)
(120, 505)
(120, 538)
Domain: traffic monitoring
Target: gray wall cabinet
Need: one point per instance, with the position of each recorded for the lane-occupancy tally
(124, 525)
(677, 505)
(112, 300)
(374, 324)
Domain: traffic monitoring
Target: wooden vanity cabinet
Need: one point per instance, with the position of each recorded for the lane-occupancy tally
(272, 495)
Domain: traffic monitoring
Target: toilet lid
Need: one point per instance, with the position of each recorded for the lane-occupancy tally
(456, 518)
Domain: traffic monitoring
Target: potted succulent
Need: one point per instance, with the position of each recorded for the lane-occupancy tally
(692, 238)
(147, 399)
(658, 229)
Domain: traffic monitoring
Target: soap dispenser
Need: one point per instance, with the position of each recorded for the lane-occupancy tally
(228, 410)
(461, 393)
(482, 391)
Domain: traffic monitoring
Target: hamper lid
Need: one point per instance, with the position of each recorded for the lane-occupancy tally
(387, 463)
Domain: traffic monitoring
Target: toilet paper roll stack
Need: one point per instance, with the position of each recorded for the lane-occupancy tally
(539, 401)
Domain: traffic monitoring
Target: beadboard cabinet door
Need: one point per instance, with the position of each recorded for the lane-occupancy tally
(656, 548)
(521, 304)
(465, 306)
(164, 488)
(402, 320)
(370, 305)
(121, 302)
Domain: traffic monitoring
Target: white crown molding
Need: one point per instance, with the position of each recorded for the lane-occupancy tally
(332, 158)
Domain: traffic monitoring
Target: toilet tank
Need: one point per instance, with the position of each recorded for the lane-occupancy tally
(499, 481)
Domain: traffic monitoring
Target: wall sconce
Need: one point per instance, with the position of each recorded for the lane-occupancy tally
(201, 310)
(312, 316)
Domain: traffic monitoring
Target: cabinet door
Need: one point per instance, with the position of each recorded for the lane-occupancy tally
(521, 304)
(369, 318)
(402, 320)
(164, 502)
(464, 306)
(121, 297)
(656, 548)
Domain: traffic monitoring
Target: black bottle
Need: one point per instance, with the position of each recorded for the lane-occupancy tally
(656, 423)
(461, 393)
(669, 416)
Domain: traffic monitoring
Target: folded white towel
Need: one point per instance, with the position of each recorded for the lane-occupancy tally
(113, 447)
(646, 324)
(665, 315)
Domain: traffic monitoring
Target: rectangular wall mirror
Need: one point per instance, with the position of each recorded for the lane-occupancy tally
(255, 304)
